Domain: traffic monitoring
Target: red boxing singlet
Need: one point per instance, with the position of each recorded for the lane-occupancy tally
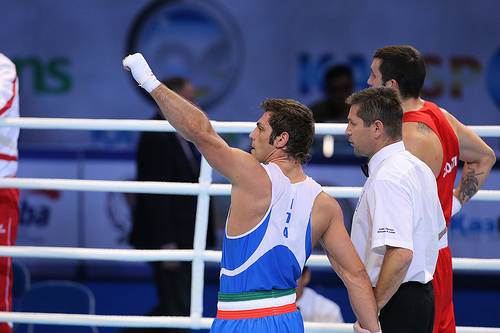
(431, 115)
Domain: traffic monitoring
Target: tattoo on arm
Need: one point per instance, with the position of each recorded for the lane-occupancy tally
(468, 185)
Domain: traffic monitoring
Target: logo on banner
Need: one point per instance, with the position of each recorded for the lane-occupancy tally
(36, 207)
(195, 39)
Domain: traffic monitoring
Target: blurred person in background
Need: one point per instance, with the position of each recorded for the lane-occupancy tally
(313, 306)
(9, 197)
(338, 85)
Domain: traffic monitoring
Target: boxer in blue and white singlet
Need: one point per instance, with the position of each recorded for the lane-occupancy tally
(269, 257)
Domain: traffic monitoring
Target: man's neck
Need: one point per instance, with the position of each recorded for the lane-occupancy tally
(291, 169)
(412, 104)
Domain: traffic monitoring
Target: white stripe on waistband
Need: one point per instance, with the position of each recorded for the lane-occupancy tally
(256, 304)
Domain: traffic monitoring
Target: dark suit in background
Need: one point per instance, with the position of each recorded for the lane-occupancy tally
(167, 221)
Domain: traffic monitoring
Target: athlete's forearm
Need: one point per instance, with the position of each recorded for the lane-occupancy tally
(362, 300)
(474, 175)
(349, 267)
(478, 160)
(186, 118)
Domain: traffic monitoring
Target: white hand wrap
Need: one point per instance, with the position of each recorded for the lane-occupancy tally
(141, 72)
(456, 206)
(357, 329)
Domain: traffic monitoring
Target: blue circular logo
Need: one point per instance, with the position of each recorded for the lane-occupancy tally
(493, 77)
(195, 39)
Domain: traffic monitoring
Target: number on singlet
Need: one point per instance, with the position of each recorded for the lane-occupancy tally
(288, 217)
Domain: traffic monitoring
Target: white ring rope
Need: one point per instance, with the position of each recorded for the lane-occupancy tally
(164, 126)
(317, 260)
(160, 321)
(172, 188)
(198, 255)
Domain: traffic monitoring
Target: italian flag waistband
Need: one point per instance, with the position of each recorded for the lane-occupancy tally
(256, 304)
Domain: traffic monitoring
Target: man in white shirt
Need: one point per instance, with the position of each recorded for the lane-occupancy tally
(398, 217)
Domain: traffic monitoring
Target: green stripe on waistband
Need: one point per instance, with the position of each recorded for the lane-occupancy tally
(254, 295)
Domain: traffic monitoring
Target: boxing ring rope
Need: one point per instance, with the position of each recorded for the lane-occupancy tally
(204, 189)
(163, 126)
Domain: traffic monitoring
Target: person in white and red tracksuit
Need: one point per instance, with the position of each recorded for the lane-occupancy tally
(9, 198)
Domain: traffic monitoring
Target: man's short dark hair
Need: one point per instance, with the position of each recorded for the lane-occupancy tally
(297, 120)
(404, 64)
(380, 103)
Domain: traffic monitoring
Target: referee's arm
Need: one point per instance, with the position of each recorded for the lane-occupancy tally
(396, 262)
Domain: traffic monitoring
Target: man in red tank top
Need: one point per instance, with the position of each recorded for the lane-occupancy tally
(440, 140)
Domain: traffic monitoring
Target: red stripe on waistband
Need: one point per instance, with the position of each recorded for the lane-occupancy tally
(257, 313)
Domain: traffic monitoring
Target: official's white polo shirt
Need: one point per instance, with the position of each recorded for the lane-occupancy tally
(399, 207)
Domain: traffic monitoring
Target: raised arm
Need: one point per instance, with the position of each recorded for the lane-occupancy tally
(250, 182)
(478, 160)
(193, 124)
(327, 217)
